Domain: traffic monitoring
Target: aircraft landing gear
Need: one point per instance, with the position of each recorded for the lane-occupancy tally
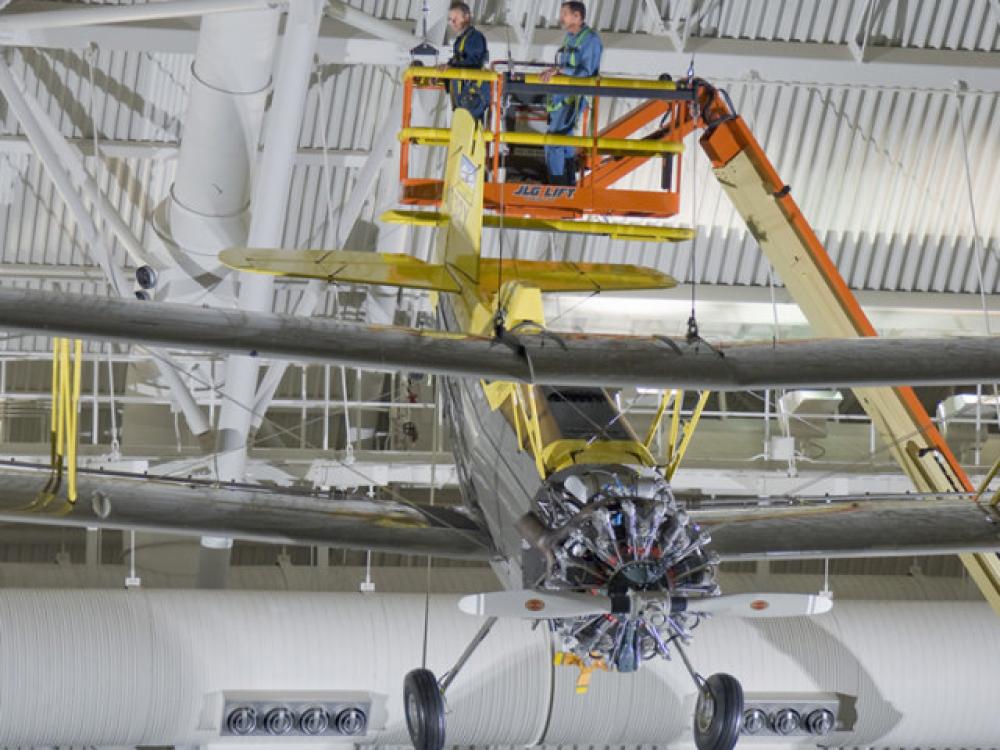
(718, 714)
(423, 697)
(424, 703)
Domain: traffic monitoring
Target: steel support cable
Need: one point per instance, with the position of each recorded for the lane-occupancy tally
(435, 433)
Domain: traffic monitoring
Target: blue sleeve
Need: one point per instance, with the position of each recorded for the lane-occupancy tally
(588, 58)
(475, 54)
(476, 50)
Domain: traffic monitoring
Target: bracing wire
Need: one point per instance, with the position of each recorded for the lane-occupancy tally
(435, 438)
(500, 113)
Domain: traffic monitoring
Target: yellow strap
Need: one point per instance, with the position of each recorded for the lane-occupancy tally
(65, 420)
(54, 409)
(73, 435)
(63, 398)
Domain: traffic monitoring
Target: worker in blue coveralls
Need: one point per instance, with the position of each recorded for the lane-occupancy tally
(468, 51)
(579, 56)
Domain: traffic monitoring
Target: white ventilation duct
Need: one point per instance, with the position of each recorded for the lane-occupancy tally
(141, 668)
(208, 203)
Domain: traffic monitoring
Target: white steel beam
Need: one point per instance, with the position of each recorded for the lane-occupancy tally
(654, 23)
(387, 42)
(347, 216)
(18, 145)
(270, 195)
(72, 162)
(858, 32)
(30, 16)
(389, 31)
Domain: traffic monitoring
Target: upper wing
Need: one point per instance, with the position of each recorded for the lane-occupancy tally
(864, 526)
(553, 359)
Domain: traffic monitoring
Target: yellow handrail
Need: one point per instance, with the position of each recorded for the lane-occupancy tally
(601, 81)
(462, 74)
(475, 74)
(611, 146)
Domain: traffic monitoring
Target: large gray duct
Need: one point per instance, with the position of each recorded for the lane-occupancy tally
(141, 667)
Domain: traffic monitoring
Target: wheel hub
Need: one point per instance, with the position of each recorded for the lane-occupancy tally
(705, 710)
(412, 710)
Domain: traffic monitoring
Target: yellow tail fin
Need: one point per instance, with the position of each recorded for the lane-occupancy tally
(458, 242)
(456, 266)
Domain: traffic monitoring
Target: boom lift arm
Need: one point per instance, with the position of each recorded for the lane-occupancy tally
(772, 216)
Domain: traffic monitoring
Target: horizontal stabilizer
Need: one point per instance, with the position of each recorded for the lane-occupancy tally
(342, 265)
(406, 271)
(560, 276)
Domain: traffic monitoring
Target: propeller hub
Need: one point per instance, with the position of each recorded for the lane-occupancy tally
(616, 532)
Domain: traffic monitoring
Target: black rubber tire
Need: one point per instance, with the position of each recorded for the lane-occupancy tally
(719, 727)
(423, 706)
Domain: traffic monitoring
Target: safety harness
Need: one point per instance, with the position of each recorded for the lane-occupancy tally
(466, 93)
(568, 53)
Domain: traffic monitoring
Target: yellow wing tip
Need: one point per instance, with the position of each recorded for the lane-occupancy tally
(230, 257)
(238, 259)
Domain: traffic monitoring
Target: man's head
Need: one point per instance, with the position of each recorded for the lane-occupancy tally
(459, 16)
(572, 16)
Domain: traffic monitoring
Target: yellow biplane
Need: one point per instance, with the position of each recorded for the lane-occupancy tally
(572, 508)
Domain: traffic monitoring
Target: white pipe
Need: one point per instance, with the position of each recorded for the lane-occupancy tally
(159, 657)
(115, 148)
(231, 77)
(272, 183)
(102, 14)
